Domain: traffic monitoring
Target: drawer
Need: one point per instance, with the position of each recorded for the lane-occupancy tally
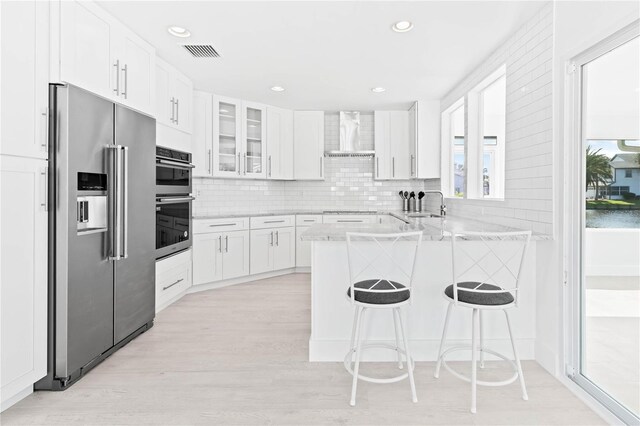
(350, 218)
(173, 276)
(204, 226)
(308, 219)
(263, 222)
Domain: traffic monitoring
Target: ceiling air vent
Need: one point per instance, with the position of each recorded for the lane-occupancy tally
(201, 50)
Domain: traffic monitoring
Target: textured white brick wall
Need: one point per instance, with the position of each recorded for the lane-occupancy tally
(528, 150)
(348, 184)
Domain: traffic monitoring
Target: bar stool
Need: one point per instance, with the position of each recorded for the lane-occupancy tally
(381, 269)
(486, 272)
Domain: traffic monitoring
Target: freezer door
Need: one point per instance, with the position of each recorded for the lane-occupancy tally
(135, 271)
(83, 271)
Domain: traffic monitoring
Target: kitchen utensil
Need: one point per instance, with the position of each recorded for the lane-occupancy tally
(406, 194)
(401, 194)
(412, 195)
(420, 195)
(412, 204)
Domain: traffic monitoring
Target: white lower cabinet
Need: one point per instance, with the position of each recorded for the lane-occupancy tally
(23, 275)
(220, 256)
(173, 278)
(272, 249)
(303, 248)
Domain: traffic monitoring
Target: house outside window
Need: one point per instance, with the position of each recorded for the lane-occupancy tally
(628, 173)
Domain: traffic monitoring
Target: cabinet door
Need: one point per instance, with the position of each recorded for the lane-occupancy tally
(254, 136)
(85, 48)
(303, 248)
(207, 258)
(261, 253)
(227, 134)
(308, 135)
(202, 137)
(235, 255)
(284, 252)
(137, 70)
(24, 78)
(382, 145)
(399, 146)
(279, 143)
(164, 102)
(23, 273)
(182, 91)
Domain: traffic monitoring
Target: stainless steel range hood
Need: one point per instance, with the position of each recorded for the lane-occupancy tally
(350, 137)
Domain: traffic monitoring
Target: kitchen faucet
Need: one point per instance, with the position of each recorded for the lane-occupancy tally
(443, 207)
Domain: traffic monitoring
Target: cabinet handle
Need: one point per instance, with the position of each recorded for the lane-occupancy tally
(178, 111)
(125, 92)
(412, 162)
(377, 166)
(45, 129)
(222, 224)
(244, 162)
(45, 201)
(226, 243)
(274, 221)
(172, 110)
(269, 166)
(117, 67)
(238, 163)
(171, 285)
(277, 238)
(220, 241)
(271, 239)
(309, 220)
(209, 161)
(350, 220)
(393, 166)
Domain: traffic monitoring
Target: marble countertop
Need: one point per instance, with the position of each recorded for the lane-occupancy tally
(283, 213)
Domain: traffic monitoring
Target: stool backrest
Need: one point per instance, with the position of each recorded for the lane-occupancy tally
(382, 257)
(493, 258)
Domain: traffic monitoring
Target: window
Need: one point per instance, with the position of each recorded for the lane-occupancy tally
(473, 141)
(628, 173)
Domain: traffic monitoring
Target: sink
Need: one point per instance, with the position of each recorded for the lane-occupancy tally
(424, 215)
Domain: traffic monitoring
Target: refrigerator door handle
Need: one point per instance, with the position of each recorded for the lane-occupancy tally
(125, 201)
(116, 242)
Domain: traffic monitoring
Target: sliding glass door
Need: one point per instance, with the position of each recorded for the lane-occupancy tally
(607, 350)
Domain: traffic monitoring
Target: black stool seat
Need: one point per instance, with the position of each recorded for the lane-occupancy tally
(473, 298)
(386, 298)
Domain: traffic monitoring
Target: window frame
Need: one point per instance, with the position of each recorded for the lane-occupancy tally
(449, 150)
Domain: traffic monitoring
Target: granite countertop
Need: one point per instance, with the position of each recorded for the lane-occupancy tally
(433, 228)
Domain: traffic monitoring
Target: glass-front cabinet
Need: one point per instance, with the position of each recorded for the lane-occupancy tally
(238, 138)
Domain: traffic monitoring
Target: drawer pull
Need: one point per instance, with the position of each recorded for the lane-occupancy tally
(351, 220)
(171, 285)
(223, 224)
(309, 220)
(274, 221)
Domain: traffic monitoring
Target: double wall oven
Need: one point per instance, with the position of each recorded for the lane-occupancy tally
(174, 173)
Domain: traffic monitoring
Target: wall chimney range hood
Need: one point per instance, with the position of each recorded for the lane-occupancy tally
(350, 145)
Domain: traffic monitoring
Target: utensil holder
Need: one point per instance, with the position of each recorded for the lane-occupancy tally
(405, 205)
(412, 204)
(419, 205)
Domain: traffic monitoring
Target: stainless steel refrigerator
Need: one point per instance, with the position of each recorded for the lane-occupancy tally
(101, 231)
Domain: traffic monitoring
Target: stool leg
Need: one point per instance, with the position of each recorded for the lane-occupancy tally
(407, 352)
(395, 329)
(356, 311)
(515, 355)
(444, 336)
(474, 354)
(356, 368)
(481, 338)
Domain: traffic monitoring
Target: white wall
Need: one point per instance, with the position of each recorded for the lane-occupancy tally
(348, 184)
(528, 151)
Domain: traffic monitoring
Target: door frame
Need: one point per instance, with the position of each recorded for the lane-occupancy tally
(574, 207)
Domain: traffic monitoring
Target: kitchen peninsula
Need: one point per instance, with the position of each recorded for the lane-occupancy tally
(332, 313)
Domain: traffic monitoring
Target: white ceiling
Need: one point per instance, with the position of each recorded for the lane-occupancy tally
(328, 55)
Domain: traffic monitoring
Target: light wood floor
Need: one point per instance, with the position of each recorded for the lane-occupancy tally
(238, 355)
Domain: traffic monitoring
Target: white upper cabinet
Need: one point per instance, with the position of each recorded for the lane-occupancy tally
(202, 137)
(392, 145)
(308, 139)
(24, 78)
(99, 54)
(254, 137)
(427, 139)
(173, 97)
(227, 137)
(279, 143)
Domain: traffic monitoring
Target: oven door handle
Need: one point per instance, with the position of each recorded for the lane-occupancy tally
(175, 164)
(173, 200)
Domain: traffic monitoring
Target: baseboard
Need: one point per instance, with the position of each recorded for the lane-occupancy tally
(547, 358)
(421, 350)
(14, 399)
(245, 279)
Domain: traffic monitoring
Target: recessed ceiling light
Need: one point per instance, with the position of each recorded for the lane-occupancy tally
(179, 31)
(277, 89)
(402, 26)
(378, 89)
